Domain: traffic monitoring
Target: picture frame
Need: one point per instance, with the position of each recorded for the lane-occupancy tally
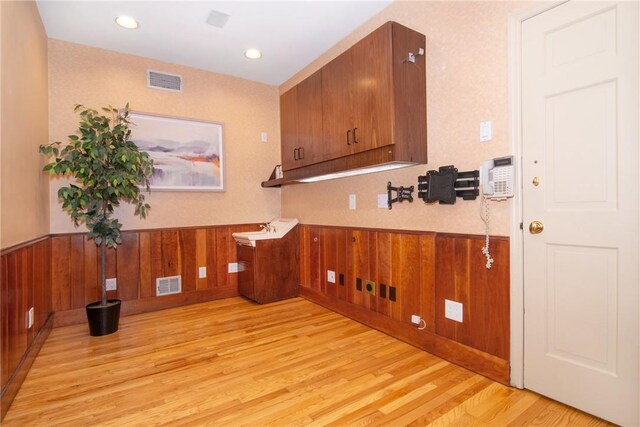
(187, 153)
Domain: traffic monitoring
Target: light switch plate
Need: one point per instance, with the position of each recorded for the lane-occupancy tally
(383, 202)
(233, 267)
(453, 310)
(202, 272)
(111, 284)
(485, 131)
(352, 201)
(263, 137)
(331, 276)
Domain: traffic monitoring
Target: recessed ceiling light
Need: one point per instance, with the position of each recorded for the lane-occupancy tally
(253, 54)
(127, 22)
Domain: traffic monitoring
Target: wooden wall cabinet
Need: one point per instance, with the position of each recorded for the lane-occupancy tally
(370, 100)
(269, 271)
(301, 123)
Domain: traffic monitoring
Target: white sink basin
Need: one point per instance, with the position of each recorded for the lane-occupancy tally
(276, 229)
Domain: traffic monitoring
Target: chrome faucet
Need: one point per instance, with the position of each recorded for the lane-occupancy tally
(268, 228)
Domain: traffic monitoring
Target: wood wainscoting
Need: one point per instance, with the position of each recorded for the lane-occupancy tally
(414, 272)
(143, 257)
(25, 278)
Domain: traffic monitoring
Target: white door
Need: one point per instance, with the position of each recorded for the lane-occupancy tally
(580, 139)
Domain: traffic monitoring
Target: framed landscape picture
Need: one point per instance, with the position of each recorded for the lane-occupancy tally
(187, 154)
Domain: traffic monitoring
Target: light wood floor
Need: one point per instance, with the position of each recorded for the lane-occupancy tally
(232, 362)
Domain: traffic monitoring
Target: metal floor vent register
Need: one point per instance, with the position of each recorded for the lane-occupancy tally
(168, 285)
(166, 81)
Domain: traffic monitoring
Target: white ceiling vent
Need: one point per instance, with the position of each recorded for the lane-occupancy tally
(165, 81)
(218, 19)
(168, 285)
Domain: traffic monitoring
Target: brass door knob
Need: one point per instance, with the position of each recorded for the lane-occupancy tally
(536, 227)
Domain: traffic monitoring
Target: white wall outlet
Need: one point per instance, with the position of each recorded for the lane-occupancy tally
(263, 137)
(383, 202)
(453, 310)
(415, 319)
(485, 131)
(30, 318)
(232, 267)
(111, 284)
(202, 272)
(352, 201)
(331, 276)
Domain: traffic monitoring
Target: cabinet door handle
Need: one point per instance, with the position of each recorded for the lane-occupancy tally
(348, 133)
(301, 152)
(355, 138)
(295, 154)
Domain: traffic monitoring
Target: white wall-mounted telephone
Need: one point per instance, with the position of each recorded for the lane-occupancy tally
(496, 178)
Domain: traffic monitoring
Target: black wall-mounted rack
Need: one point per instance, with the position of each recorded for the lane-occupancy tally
(446, 184)
(402, 193)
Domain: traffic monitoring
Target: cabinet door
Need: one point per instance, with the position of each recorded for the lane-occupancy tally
(309, 102)
(289, 128)
(337, 106)
(372, 91)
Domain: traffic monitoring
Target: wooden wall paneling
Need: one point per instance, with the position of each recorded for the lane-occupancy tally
(4, 317)
(76, 271)
(128, 266)
(328, 262)
(201, 257)
(111, 267)
(445, 285)
(470, 331)
(409, 292)
(341, 262)
(157, 262)
(188, 259)
(17, 308)
(396, 277)
(223, 235)
(428, 280)
(171, 253)
(495, 306)
(305, 256)
(28, 276)
(371, 301)
(358, 261)
(41, 283)
(145, 276)
(383, 276)
(60, 272)
(92, 286)
(211, 257)
(315, 258)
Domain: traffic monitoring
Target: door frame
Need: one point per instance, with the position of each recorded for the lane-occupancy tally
(516, 249)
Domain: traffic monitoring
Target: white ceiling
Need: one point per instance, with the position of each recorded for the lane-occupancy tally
(290, 34)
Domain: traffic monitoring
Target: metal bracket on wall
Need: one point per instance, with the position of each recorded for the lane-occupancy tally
(445, 184)
(402, 193)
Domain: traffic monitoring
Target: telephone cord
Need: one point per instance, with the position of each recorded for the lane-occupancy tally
(484, 215)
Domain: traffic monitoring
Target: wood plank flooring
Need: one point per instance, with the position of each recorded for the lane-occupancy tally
(232, 362)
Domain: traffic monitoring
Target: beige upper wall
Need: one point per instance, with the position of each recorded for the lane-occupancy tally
(467, 83)
(24, 202)
(95, 78)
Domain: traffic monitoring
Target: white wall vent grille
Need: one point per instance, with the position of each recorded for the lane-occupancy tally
(168, 285)
(165, 81)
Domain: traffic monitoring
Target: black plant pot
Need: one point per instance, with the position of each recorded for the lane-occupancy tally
(103, 319)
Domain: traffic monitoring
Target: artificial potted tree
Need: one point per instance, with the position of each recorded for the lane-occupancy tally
(108, 169)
